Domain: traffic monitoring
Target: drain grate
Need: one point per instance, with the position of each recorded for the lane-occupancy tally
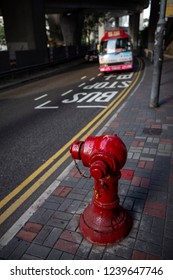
(152, 131)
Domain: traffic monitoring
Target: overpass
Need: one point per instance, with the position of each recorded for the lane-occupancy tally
(24, 22)
(121, 7)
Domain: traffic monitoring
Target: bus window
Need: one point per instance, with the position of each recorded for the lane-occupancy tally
(115, 46)
(111, 46)
(123, 45)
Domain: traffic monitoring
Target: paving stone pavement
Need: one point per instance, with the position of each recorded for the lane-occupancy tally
(145, 190)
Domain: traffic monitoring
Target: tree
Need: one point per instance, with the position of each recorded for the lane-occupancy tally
(2, 34)
(91, 23)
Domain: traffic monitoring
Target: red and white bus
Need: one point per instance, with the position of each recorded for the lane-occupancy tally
(115, 51)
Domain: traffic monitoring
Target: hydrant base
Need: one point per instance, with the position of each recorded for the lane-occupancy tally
(105, 226)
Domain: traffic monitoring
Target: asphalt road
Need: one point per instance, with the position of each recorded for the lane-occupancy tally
(37, 122)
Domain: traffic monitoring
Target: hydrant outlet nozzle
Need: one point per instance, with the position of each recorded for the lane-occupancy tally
(75, 149)
(98, 169)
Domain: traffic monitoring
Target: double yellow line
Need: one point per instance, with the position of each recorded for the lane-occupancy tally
(86, 131)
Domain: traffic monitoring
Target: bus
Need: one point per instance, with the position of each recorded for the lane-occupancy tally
(115, 51)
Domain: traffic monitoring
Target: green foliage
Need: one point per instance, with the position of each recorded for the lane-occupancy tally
(2, 33)
(91, 23)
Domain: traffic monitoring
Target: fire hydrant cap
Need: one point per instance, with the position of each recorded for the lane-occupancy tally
(75, 149)
(98, 169)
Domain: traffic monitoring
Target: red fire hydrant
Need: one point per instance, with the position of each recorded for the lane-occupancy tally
(103, 221)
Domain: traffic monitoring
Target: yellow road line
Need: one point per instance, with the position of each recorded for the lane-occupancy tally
(43, 178)
(32, 189)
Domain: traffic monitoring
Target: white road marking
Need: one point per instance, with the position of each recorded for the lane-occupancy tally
(93, 78)
(110, 76)
(83, 77)
(42, 106)
(81, 85)
(90, 106)
(63, 94)
(40, 97)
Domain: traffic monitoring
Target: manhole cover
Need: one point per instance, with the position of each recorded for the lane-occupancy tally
(152, 131)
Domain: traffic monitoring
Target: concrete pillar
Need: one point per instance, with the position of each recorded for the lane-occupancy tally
(134, 29)
(71, 26)
(117, 22)
(154, 17)
(55, 29)
(24, 23)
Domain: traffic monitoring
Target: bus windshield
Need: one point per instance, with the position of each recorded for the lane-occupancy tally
(115, 46)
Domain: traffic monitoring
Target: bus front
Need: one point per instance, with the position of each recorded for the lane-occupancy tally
(115, 52)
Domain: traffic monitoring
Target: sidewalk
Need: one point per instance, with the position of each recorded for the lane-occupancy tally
(145, 189)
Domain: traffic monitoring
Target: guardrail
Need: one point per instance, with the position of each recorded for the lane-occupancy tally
(27, 61)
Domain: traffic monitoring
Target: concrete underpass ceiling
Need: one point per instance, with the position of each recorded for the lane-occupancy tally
(117, 7)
